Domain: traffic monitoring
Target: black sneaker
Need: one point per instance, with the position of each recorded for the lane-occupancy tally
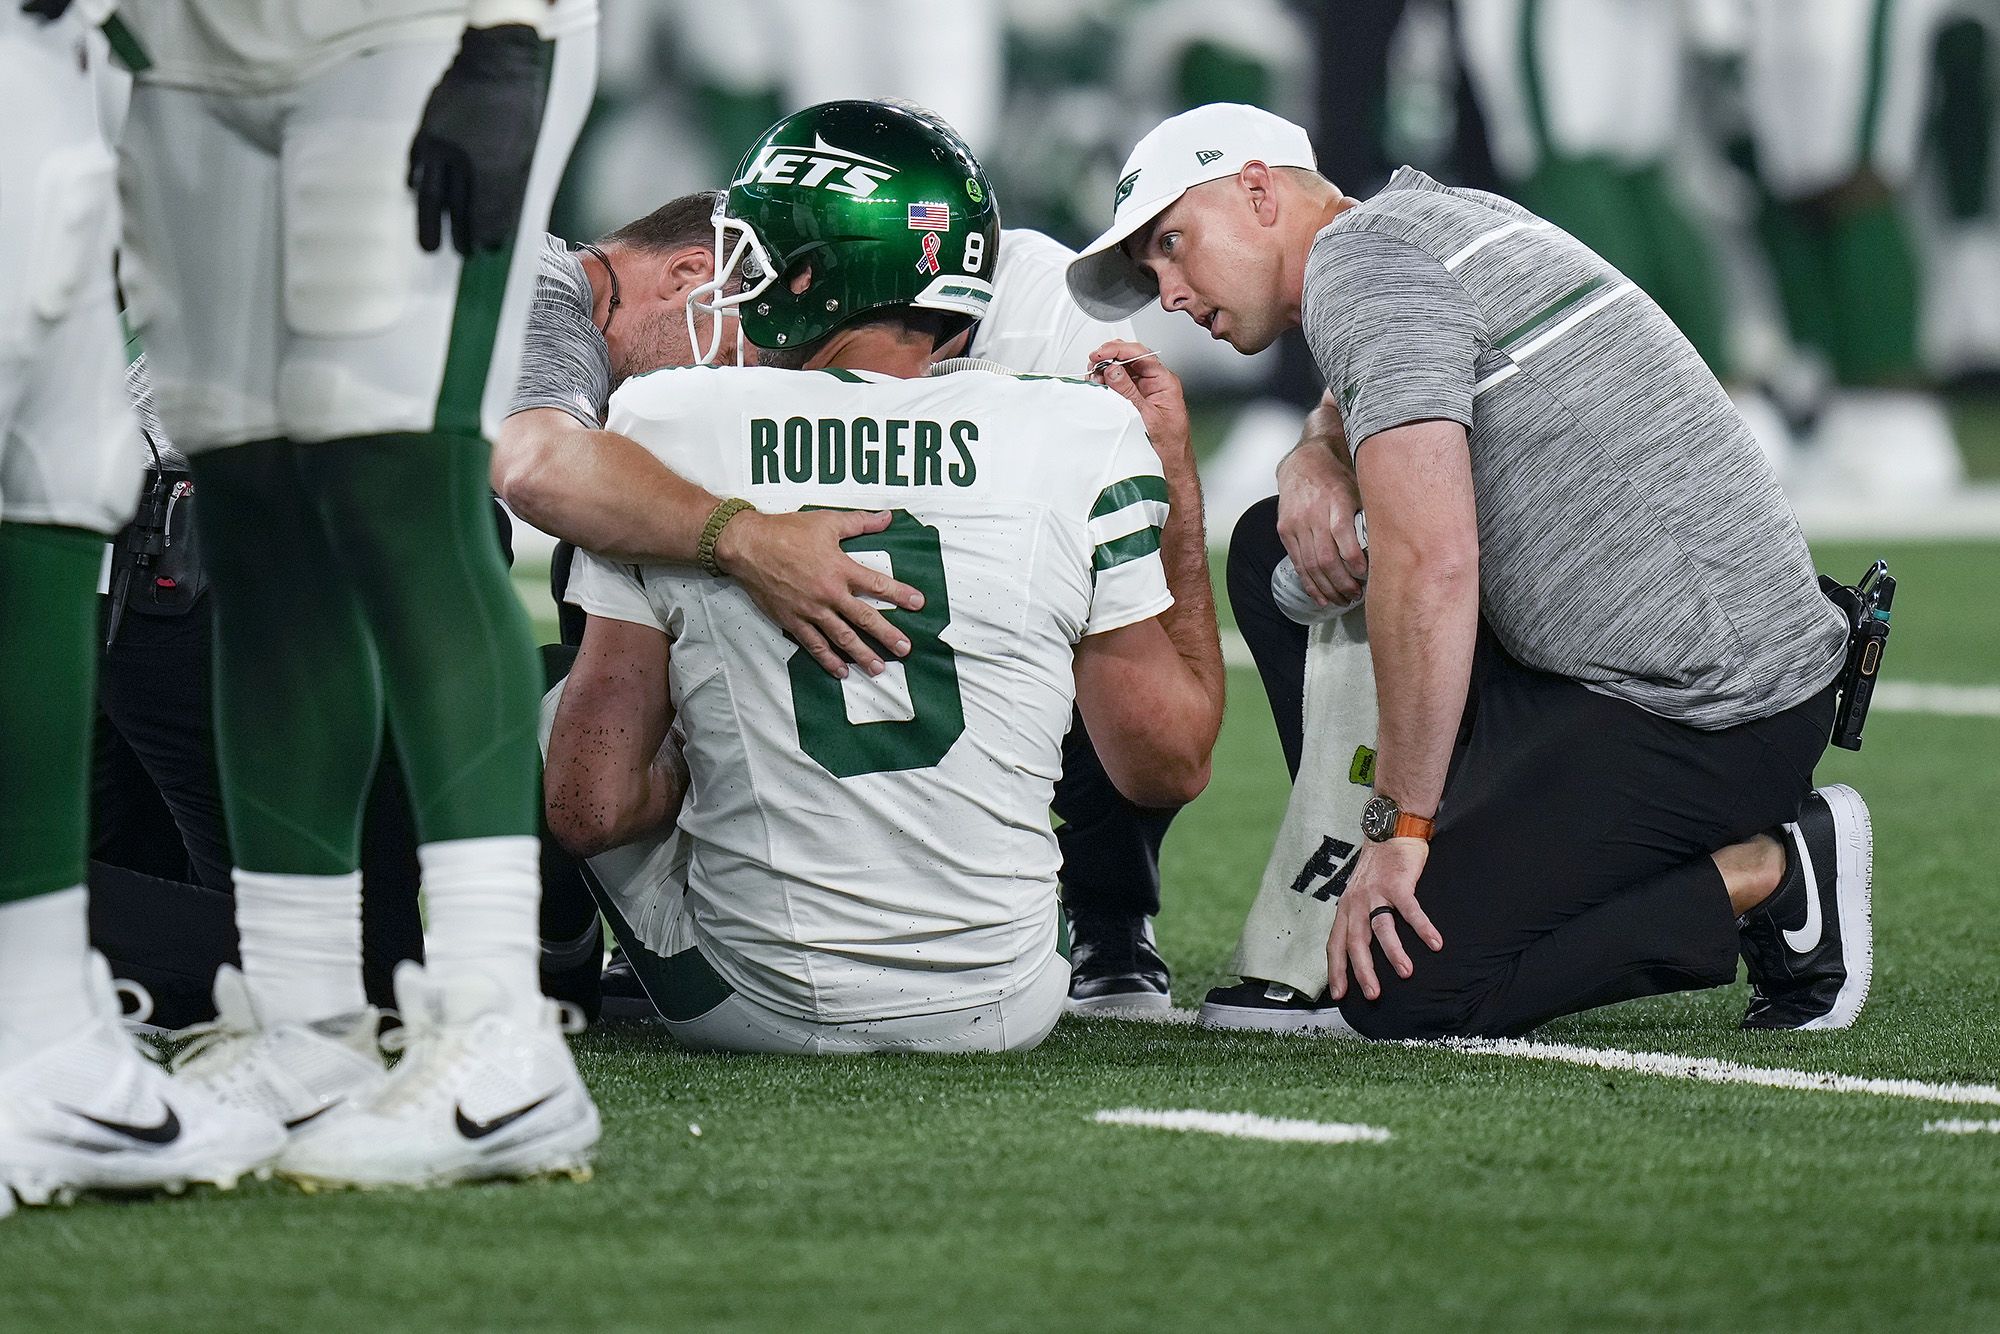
(1254, 1005)
(1115, 966)
(569, 971)
(624, 998)
(1810, 946)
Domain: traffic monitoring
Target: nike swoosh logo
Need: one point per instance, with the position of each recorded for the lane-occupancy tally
(166, 1132)
(298, 1121)
(1804, 939)
(472, 1129)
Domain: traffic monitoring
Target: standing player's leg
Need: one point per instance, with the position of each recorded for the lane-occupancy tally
(396, 363)
(79, 1107)
(298, 704)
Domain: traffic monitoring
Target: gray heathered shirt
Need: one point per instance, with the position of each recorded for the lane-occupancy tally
(564, 362)
(1631, 535)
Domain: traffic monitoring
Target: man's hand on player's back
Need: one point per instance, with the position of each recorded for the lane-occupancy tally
(794, 569)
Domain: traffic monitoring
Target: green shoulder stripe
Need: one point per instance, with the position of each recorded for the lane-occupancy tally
(1549, 312)
(1128, 492)
(126, 47)
(839, 374)
(1129, 547)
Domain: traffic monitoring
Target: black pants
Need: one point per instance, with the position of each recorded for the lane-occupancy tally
(1110, 845)
(156, 800)
(1570, 868)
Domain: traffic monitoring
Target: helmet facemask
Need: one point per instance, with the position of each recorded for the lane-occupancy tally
(713, 298)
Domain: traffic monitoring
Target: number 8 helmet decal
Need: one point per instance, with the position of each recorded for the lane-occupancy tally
(882, 201)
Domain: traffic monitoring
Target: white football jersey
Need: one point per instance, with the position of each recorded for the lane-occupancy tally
(872, 848)
(1034, 325)
(260, 46)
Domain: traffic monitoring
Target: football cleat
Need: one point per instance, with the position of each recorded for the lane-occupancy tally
(1256, 1006)
(291, 1073)
(478, 1094)
(91, 1112)
(1114, 966)
(625, 995)
(1810, 947)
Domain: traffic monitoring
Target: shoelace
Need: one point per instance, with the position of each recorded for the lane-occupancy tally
(429, 1047)
(198, 1040)
(142, 1002)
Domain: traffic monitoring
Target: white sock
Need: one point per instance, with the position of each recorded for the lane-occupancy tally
(301, 944)
(482, 900)
(45, 987)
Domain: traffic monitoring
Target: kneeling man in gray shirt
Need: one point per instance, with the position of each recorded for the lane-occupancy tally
(1603, 664)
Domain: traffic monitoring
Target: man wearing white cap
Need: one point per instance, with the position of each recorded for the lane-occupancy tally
(1613, 796)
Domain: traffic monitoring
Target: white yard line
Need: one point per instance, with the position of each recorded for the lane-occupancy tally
(1707, 1070)
(1244, 1125)
(1698, 1069)
(1939, 700)
(1962, 1127)
(1946, 701)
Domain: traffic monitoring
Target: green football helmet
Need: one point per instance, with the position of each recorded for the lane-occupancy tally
(882, 199)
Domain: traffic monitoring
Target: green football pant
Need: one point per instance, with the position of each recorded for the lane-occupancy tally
(358, 579)
(48, 675)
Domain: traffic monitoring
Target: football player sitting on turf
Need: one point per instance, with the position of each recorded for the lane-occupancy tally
(806, 863)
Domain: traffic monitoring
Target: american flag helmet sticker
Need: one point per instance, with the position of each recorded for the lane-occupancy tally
(930, 218)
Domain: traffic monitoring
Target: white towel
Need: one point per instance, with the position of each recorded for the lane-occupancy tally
(1284, 938)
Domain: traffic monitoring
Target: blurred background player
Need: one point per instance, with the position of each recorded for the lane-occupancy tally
(1838, 96)
(79, 1106)
(331, 366)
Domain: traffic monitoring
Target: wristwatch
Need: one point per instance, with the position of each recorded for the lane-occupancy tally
(1382, 819)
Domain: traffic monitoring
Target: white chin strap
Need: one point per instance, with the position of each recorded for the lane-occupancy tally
(708, 299)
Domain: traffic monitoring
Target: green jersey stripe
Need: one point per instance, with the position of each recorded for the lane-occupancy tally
(1128, 492)
(475, 325)
(840, 374)
(1549, 312)
(1871, 104)
(1129, 547)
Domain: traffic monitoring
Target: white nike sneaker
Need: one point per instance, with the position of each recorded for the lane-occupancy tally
(92, 1113)
(289, 1073)
(478, 1094)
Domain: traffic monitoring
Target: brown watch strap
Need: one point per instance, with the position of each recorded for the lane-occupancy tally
(1412, 826)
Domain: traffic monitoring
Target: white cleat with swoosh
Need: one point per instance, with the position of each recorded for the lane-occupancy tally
(482, 1092)
(1810, 946)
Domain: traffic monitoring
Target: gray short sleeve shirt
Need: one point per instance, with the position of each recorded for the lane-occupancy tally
(564, 361)
(1632, 536)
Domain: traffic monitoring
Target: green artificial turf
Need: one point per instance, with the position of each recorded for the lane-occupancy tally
(977, 1194)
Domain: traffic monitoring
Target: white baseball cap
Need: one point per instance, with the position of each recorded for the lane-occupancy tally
(1205, 144)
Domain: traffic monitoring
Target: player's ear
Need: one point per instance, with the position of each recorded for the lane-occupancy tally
(1260, 187)
(686, 270)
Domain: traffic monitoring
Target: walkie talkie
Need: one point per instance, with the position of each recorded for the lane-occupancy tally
(1867, 606)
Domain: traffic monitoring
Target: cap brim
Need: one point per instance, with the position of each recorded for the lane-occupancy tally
(1104, 280)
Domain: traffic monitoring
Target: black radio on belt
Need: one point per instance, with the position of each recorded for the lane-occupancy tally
(156, 565)
(1866, 606)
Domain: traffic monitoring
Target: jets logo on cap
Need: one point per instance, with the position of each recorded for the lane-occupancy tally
(1207, 155)
(1124, 191)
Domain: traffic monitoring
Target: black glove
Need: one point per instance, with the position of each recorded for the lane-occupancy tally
(477, 139)
(45, 9)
